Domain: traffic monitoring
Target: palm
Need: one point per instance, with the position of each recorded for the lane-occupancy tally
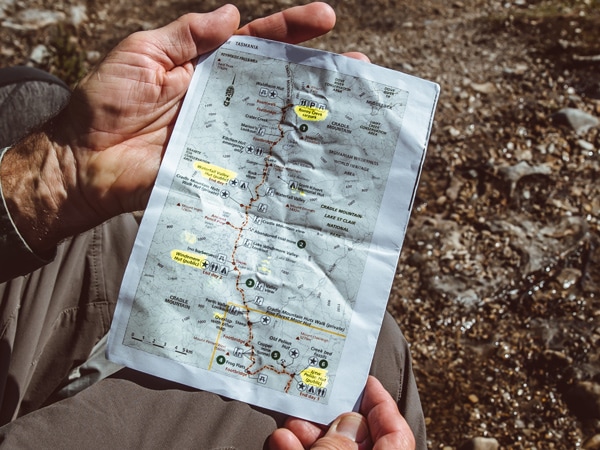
(135, 98)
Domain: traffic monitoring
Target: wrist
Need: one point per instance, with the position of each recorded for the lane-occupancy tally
(36, 174)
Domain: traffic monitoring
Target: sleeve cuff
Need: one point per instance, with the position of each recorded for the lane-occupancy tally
(16, 257)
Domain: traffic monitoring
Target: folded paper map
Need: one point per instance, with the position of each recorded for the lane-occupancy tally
(265, 258)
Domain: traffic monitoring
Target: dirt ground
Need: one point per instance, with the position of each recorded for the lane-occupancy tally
(498, 283)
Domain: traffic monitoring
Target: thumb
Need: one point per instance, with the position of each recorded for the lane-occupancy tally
(347, 432)
(184, 39)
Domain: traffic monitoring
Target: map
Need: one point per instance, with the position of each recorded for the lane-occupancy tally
(274, 228)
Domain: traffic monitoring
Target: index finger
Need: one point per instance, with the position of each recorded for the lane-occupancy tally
(293, 25)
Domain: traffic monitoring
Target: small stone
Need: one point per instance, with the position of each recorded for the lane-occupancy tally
(453, 131)
(93, 56)
(518, 69)
(34, 19)
(78, 15)
(579, 121)
(568, 277)
(484, 88)
(585, 145)
(8, 52)
(473, 398)
(481, 443)
(522, 169)
(512, 174)
(39, 54)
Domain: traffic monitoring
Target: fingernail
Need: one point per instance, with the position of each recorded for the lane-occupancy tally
(352, 427)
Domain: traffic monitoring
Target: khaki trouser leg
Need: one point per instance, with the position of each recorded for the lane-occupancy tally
(51, 319)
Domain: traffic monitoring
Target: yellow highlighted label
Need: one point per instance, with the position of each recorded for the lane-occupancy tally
(314, 377)
(214, 173)
(188, 258)
(311, 114)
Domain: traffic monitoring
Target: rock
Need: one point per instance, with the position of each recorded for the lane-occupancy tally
(78, 15)
(453, 132)
(522, 169)
(579, 121)
(8, 52)
(93, 56)
(585, 145)
(518, 69)
(568, 277)
(512, 174)
(484, 88)
(481, 443)
(34, 19)
(39, 54)
(473, 398)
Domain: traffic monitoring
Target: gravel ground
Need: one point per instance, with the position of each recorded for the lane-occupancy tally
(498, 284)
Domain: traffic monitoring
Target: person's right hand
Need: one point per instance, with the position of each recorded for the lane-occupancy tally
(379, 426)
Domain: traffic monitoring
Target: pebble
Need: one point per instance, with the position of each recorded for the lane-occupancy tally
(579, 121)
(512, 174)
(518, 69)
(481, 443)
(78, 15)
(39, 54)
(93, 56)
(484, 88)
(585, 145)
(34, 19)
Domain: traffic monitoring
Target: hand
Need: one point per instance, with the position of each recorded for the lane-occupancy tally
(100, 157)
(379, 426)
(126, 108)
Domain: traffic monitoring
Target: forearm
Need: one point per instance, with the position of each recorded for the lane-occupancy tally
(33, 176)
